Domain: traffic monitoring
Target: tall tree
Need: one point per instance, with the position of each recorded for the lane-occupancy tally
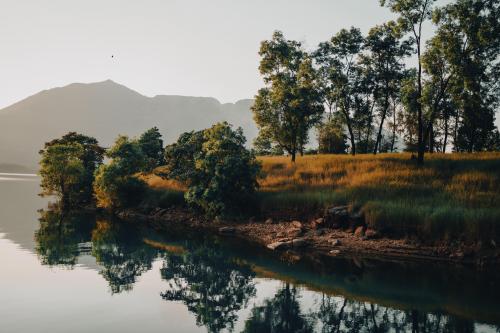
(470, 31)
(337, 61)
(386, 53)
(291, 102)
(412, 15)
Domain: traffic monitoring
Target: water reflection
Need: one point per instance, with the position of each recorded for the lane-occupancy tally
(212, 285)
(218, 281)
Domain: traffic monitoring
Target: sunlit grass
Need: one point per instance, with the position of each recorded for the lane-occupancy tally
(452, 197)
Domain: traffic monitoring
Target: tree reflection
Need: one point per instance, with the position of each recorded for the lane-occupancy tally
(213, 286)
(119, 248)
(281, 314)
(62, 236)
(337, 314)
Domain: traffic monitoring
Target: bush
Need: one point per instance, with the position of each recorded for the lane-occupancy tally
(219, 171)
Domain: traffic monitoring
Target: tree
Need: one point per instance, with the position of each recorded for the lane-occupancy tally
(337, 61)
(331, 137)
(412, 15)
(62, 172)
(386, 53)
(262, 146)
(470, 35)
(151, 144)
(217, 168)
(213, 286)
(116, 185)
(291, 102)
(67, 168)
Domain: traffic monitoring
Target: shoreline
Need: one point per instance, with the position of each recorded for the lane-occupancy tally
(295, 237)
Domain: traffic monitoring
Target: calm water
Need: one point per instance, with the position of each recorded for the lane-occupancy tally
(78, 273)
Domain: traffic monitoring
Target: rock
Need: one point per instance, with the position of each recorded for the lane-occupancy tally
(356, 215)
(269, 221)
(299, 242)
(296, 224)
(281, 234)
(318, 223)
(334, 242)
(227, 230)
(319, 232)
(457, 255)
(279, 245)
(334, 252)
(338, 211)
(359, 232)
(371, 234)
(294, 232)
(336, 226)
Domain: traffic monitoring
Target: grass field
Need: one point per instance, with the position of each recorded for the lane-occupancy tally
(451, 197)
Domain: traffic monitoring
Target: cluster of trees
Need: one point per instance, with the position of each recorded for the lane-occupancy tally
(360, 92)
(72, 169)
(219, 172)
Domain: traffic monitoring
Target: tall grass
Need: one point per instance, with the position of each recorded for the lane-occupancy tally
(451, 197)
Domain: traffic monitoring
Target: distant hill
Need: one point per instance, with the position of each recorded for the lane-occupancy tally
(104, 110)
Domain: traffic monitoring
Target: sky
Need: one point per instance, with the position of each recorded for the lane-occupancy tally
(160, 47)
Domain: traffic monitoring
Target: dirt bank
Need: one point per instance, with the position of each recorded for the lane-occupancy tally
(317, 236)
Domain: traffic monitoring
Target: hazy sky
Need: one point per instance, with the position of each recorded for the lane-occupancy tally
(185, 47)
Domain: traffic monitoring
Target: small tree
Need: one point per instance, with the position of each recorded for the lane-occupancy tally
(116, 185)
(67, 168)
(62, 172)
(151, 144)
(217, 168)
(331, 137)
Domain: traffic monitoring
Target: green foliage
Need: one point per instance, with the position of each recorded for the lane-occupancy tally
(67, 168)
(219, 171)
(116, 185)
(263, 146)
(291, 102)
(180, 157)
(151, 144)
(331, 137)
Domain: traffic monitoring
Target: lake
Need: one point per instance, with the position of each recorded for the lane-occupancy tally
(81, 273)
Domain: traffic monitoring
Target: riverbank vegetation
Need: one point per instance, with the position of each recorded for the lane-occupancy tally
(358, 92)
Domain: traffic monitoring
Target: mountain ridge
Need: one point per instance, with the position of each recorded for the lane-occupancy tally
(104, 110)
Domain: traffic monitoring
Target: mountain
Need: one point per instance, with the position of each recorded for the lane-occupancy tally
(105, 110)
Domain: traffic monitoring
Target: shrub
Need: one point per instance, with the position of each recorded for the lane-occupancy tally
(219, 171)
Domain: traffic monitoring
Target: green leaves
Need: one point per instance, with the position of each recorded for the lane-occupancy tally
(219, 171)
(67, 168)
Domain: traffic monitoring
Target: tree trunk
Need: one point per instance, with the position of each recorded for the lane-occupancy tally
(431, 138)
(421, 141)
(379, 135)
(393, 128)
(445, 140)
(293, 156)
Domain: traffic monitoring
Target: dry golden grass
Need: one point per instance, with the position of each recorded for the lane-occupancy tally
(452, 196)
(451, 193)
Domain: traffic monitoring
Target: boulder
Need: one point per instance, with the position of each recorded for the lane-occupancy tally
(269, 221)
(334, 242)
(334, 252)
(371, 234)
(279, 245)
(299, 242)
(341, 211)
(294, 232)
(318, 223)
(359, 232)
(296, 224)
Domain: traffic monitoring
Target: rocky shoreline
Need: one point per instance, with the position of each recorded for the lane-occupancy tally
(338, 233)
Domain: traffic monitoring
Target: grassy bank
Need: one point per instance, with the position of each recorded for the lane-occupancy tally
(452, 197)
